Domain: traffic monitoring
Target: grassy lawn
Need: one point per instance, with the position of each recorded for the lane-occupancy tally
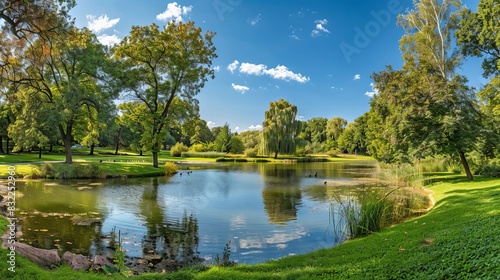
(458, 239)
(125, 164)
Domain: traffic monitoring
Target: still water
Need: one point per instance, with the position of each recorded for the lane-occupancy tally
(265, 210)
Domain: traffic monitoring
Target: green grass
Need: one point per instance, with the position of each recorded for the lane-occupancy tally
(458, 239)
(126, 164)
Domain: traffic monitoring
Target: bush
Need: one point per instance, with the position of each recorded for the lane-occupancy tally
(178, 149)
(251, 152)
(93, 170)
(197, 148)
(48, 170)
(491, 170)
(170, 168)
(202, 154)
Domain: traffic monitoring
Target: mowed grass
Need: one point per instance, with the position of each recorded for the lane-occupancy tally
(125, 164)
(458, 239)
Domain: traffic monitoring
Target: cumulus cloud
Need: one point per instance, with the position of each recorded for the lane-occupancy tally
(97, 24)
(373, 92)
(253, 69)
(174, 12)
(320, 27)
(255, 127)
(108, 40)
(239, 88)
(280, 72)
(233, 66)
(357, 77)
(210, 124)
(217, 68)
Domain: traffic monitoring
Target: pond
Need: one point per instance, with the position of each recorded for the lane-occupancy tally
(266, 211)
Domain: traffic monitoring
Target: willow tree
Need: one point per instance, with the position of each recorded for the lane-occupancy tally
(280, 128)
(161, 64)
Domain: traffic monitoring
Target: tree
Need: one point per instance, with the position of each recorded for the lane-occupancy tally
(160, 65)
(442, 108)
(334, 129)
(223, 140)
(478, 35)
(236, 144)
(65, 72)
(280, 127)
(26, 19)
(353, 137)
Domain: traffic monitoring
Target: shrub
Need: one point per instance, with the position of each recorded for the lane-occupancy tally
(202, 154)
(251, 152)
(197, 148)
(491, 170)
(68, 171)
(48, 170)
(170, 168)
(178, 149)
(93, 170)
(34, 173)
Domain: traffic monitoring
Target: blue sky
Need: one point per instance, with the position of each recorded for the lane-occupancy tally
(318, 55)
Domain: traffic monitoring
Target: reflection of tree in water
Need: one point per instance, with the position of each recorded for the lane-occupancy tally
(167, 245)
(281, 194)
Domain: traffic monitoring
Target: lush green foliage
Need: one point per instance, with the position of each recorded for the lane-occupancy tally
(178, 149)
(170, 168)
(202, 154)
(280, 128)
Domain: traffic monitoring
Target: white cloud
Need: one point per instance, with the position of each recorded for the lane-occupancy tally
(174, 12)
(373, 92)
(100, 23)
(237, 128)
(295, 37)
(240, 89)
(281, 72)
(217, 68)
(108, 40)
(357, 77)
(210, 124)
(254, 21)
(253, 69)
(320, 27)
(255, 127)
(231, 67)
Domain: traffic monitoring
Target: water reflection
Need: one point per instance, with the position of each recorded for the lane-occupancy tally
(267, 211)
(281, 193)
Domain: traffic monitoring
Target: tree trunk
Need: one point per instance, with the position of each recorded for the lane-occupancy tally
(275, 155)
(67, 143)
(7, 144)
(92, 150)
(140, 152)
(116, 147)
(40, 152)
(463, 160)
(1, 145)
(50, 148)
(155, 159)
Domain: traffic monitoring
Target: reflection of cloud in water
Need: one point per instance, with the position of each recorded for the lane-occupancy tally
(284, 237)
(238, 222)
(251, 243)
(281, 246)
(278, 239)
(252, 252)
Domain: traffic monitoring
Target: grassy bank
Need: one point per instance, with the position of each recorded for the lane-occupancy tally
(458, 239)
(131, 164)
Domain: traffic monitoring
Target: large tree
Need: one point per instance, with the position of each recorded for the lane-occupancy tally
(479, 35)
(65, 72)
(161, 64)
(280, 128)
